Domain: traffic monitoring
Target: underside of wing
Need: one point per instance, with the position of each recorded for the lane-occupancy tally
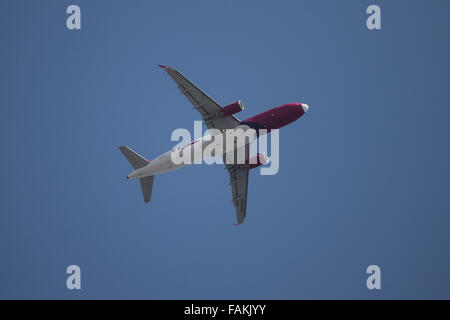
(210, 110)
(238, 181)
(239, 189)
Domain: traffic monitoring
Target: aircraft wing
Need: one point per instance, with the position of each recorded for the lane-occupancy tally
(239, 188)
(208, 108)
(239, 183)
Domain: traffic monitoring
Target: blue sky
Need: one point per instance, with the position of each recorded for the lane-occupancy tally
(364, 176)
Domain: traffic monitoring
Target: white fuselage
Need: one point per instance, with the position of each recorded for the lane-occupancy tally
(171, 160)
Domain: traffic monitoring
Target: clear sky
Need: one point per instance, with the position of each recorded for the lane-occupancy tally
(364, 176)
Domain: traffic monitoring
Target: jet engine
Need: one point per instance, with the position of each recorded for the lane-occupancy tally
(258, 160)
(233, 108)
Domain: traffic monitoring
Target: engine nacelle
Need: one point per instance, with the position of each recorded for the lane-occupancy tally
(233, 108)
(258, 160)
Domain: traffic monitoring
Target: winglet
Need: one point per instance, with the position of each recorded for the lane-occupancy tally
(162, 66)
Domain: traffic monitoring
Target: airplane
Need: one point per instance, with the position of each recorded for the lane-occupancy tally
(218, 119)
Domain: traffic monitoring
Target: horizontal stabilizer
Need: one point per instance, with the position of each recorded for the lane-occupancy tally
(137, 161)
(147, 187)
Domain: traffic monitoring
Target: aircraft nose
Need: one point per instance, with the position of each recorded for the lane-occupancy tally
(305, 107)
